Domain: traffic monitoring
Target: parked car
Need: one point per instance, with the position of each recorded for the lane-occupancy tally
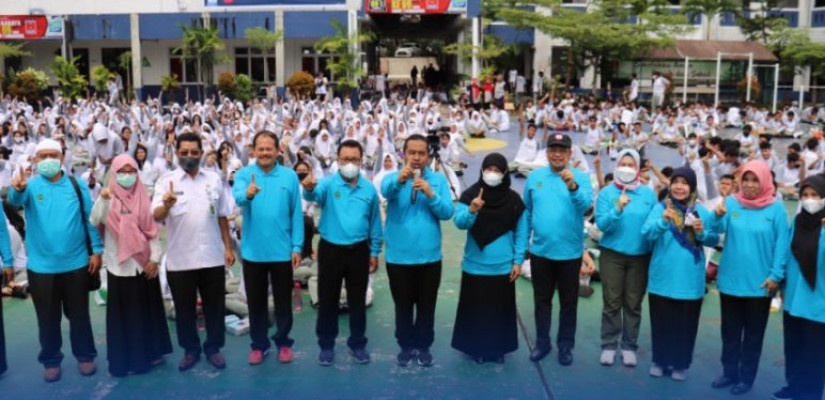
(408, 50)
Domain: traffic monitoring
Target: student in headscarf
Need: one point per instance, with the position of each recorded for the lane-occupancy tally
(621, 210)
(137, 335)
(8, 279)
(804, 316)
(677, 231)
(497, 225)
(388, 165)
(753, 263)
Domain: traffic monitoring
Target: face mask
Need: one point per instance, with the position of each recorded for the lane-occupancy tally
(492, 178)
(302, 176)
(350, 171)
(126, 180)
(813, 206)
(691, 143)
(18, 140)
(625, 175)
(48, 168)
(189, 164)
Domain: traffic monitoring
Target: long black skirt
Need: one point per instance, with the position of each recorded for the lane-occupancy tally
(137, 334)
(485, 323)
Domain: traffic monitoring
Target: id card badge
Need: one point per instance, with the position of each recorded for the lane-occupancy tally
(212, 209)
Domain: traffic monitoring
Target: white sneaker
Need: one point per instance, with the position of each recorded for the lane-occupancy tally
(629, 358)
(656, 371)
(679, 374)
(608, 357)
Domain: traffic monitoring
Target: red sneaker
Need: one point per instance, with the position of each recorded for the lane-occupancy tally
(285, 355)
(256, 357)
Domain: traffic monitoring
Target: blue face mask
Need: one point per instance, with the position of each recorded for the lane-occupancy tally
(48, 168)
(126, 181)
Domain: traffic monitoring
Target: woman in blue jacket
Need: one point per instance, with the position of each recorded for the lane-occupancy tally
(621, 210)
(753, 263)
(804, 316)
(677, 230)
(495, 217)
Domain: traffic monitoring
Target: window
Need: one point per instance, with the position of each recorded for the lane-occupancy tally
(819, 3)
(314, 62)
(186, 70)
(258, 65)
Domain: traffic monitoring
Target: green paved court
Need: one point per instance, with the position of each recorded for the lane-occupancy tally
(453, 376)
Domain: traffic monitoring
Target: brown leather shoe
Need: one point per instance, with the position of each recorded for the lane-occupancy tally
(188, 361)
(51, 374)
(87, 368)
(217, 361)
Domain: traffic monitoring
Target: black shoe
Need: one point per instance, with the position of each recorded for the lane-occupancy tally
(740, 388)
(405, 357)
(783, 394)
(326, 357)
(723, 382)
(565, 356)
(361, 356)
(425, 359)
(538, 354)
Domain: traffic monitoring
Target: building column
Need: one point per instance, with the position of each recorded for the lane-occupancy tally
(137, 57)
(280, 50)
(352, 31)
(805, 10)
(459, 63)
(476, 64)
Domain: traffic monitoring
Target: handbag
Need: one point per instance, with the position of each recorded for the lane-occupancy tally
(94, 280)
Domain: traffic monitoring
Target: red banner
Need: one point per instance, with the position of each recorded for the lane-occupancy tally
(30, 27)
(415, 6)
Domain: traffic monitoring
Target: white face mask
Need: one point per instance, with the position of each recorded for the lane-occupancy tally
(625, 175)
(692, 143)
(350, 171)
(813, 206)
(492, 178)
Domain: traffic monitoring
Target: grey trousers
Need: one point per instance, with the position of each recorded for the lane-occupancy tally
(624, 283)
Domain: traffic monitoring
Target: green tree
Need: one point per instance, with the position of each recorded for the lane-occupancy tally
(345, 66)
(100, 77)
(71, 83)
(263, 39)
(710, 9)
(125, 63)
(204, 46)
(244, 90)
(602, 35)
(490, 50)
(760, 24)
(9, 50)
(797, 51)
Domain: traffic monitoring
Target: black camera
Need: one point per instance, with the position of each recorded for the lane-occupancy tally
(434, 140)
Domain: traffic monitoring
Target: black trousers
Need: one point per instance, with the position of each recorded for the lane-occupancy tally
(337, 264)
(414, 291)
(804, 357)
(744, 320)
(210, 283)
(673, 327)
(257, 278)
(55, 295)
(549, 275)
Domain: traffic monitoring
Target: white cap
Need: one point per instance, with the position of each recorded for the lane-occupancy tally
(48, 144)
(99, 132)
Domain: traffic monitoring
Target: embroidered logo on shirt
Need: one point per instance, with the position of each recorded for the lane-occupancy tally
(337, 195)
(40, 197)
(539, 184)
(735, 214)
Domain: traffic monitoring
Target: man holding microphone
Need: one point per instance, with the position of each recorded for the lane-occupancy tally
(418, 199)
(273, 234)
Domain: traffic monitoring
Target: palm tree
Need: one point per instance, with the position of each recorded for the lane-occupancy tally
(710, 8)
(202, 45)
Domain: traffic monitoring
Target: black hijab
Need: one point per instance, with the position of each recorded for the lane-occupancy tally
(502, 206)
(805, 243)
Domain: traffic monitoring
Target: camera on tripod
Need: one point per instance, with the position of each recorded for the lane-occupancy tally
(434, 140)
